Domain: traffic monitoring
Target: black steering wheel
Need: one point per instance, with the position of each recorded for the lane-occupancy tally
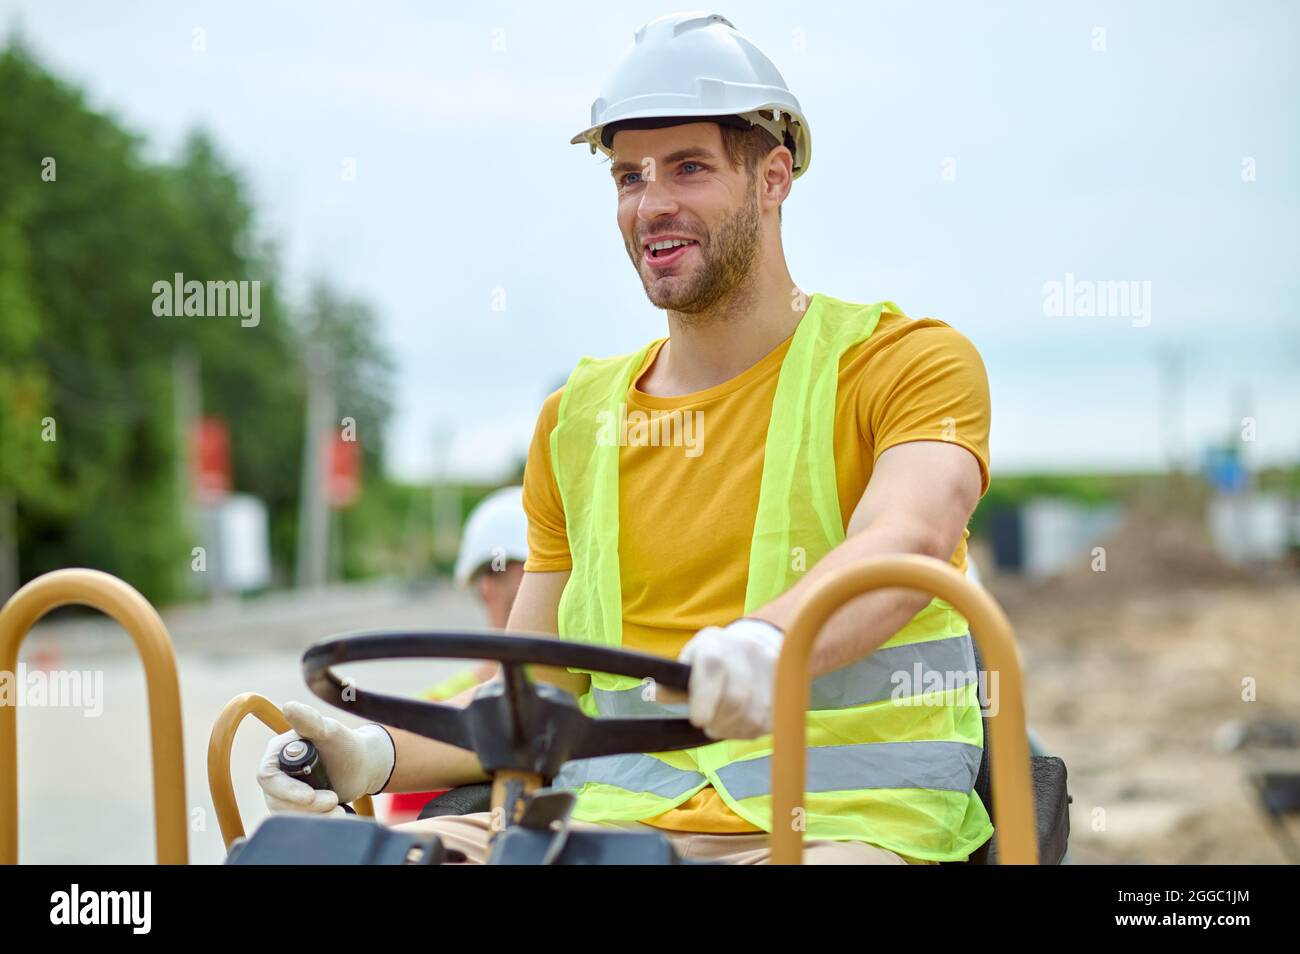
(512, 723)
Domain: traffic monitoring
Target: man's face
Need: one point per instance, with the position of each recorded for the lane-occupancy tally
(677, 183)
(497, 589)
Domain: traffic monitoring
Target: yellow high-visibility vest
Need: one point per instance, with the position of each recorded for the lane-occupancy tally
(890, 761)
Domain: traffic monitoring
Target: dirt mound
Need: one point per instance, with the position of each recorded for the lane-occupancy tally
(1132, 675)
(1148, 555)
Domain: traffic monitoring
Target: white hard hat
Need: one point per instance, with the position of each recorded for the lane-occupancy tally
(697, 67)
(496, 530)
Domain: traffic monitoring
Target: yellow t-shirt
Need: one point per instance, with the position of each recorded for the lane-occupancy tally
(686, 509)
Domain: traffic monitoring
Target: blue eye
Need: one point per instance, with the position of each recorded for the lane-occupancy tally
(624, 179)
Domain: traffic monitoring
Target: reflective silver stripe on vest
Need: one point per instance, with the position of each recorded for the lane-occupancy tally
(635, 773)
(945, 766)
(906, 670)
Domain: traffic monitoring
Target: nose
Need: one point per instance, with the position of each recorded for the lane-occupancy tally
(656, 201)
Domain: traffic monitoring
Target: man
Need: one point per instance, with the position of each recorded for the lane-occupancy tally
(685, 498)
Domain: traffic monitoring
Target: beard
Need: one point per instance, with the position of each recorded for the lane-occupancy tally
(727, 253)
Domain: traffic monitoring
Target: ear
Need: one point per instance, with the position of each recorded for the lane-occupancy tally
(775, 174)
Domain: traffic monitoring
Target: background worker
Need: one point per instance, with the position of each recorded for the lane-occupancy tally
(833, 432)
(493, 548)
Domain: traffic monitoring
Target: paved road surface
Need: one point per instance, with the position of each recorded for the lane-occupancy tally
(84, 782)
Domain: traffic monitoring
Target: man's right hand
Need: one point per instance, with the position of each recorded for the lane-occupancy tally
(358, 762)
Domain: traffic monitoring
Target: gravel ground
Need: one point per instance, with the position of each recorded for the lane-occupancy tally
(1138, 676)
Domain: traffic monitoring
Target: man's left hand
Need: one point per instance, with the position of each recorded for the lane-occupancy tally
(733, 675)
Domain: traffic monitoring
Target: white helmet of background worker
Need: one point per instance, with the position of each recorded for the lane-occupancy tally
(697, 67)
(496, 533)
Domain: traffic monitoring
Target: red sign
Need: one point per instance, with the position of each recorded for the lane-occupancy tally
(344, 485)
(210, 457)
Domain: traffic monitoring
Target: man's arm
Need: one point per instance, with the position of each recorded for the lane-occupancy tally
(536, 611)
(422, 763)
(920, 497)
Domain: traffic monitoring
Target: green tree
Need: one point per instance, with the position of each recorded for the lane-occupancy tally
(87, 227)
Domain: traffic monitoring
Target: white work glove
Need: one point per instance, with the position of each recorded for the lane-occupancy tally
(733, 675)
(357, 761)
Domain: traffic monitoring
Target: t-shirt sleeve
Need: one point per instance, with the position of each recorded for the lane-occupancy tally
(548, 541)
(938, 390)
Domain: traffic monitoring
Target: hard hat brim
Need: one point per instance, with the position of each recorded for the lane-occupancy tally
(594, 136)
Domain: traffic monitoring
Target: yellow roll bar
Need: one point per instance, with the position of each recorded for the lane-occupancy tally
(1013, 802)
(133, 613)
(219, 745)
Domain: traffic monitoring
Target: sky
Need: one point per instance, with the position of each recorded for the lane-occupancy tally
(965, 157)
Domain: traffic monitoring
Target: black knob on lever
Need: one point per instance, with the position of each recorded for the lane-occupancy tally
(299, 759)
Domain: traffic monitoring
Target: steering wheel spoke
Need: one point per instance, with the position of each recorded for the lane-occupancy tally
(615, 736)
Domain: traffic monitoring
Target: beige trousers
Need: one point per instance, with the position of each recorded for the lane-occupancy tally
(469, 834)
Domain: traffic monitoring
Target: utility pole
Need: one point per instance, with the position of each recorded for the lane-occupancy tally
(1172, 365)
(1242, 498)
(1244, 400)
(187, 405)
(313, 507)
(446, 499)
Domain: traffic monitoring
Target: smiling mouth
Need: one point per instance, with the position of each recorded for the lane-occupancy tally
(661, 253)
